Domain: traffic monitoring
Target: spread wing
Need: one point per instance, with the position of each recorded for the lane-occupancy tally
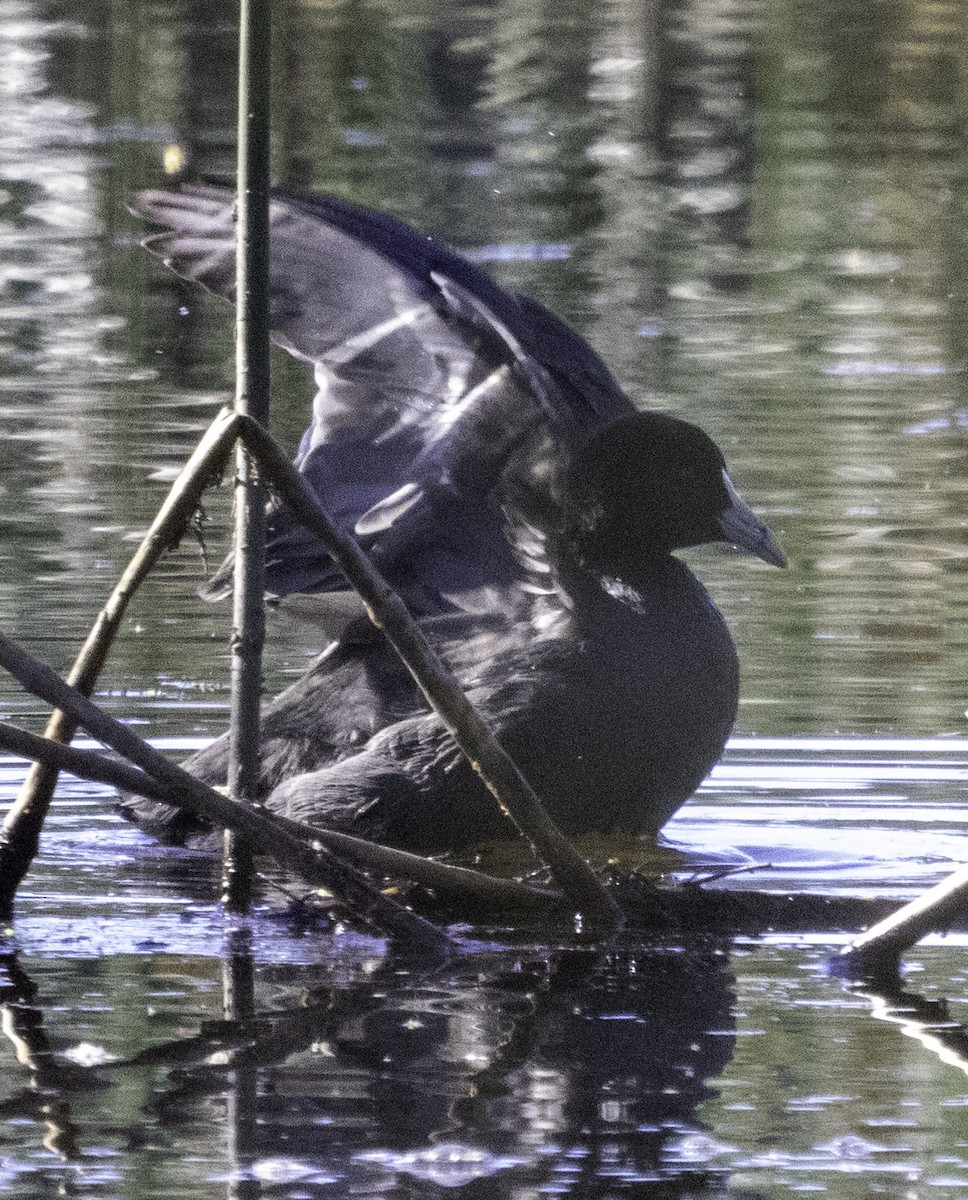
(433, 384)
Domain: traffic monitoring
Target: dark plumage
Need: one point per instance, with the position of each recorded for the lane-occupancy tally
(512, 494)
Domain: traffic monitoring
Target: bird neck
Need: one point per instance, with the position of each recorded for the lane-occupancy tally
(652, 580)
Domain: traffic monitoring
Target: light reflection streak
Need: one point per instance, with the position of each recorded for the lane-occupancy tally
(926, 1021)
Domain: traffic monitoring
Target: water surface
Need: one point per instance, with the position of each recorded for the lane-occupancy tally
(756, 213)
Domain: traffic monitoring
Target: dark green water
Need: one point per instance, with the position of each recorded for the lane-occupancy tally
(756, 214)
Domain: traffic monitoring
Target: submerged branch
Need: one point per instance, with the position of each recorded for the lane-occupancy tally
(652, 909)
(876, 951)
(20, 833)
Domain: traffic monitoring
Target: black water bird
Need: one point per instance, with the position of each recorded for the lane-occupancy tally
(510, 491)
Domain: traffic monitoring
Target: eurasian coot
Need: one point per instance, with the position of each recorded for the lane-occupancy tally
(512, 494)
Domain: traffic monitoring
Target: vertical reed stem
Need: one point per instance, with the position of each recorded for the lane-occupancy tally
(251, 399)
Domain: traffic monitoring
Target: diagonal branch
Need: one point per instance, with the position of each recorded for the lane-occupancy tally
(20, 833)
(386, 610)
(483, 751)
(875, 952)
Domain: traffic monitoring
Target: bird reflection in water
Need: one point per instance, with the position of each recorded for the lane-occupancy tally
(585, 1068)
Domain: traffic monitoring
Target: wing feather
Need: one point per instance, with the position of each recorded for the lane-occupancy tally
(433, 385)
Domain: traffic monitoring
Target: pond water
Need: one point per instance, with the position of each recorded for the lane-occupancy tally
(757, 214)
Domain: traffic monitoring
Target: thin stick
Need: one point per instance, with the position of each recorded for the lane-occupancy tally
(315, 863)
(877, 950)
(20, 833)
(252, 399)
(459, 883)
(486, 756)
